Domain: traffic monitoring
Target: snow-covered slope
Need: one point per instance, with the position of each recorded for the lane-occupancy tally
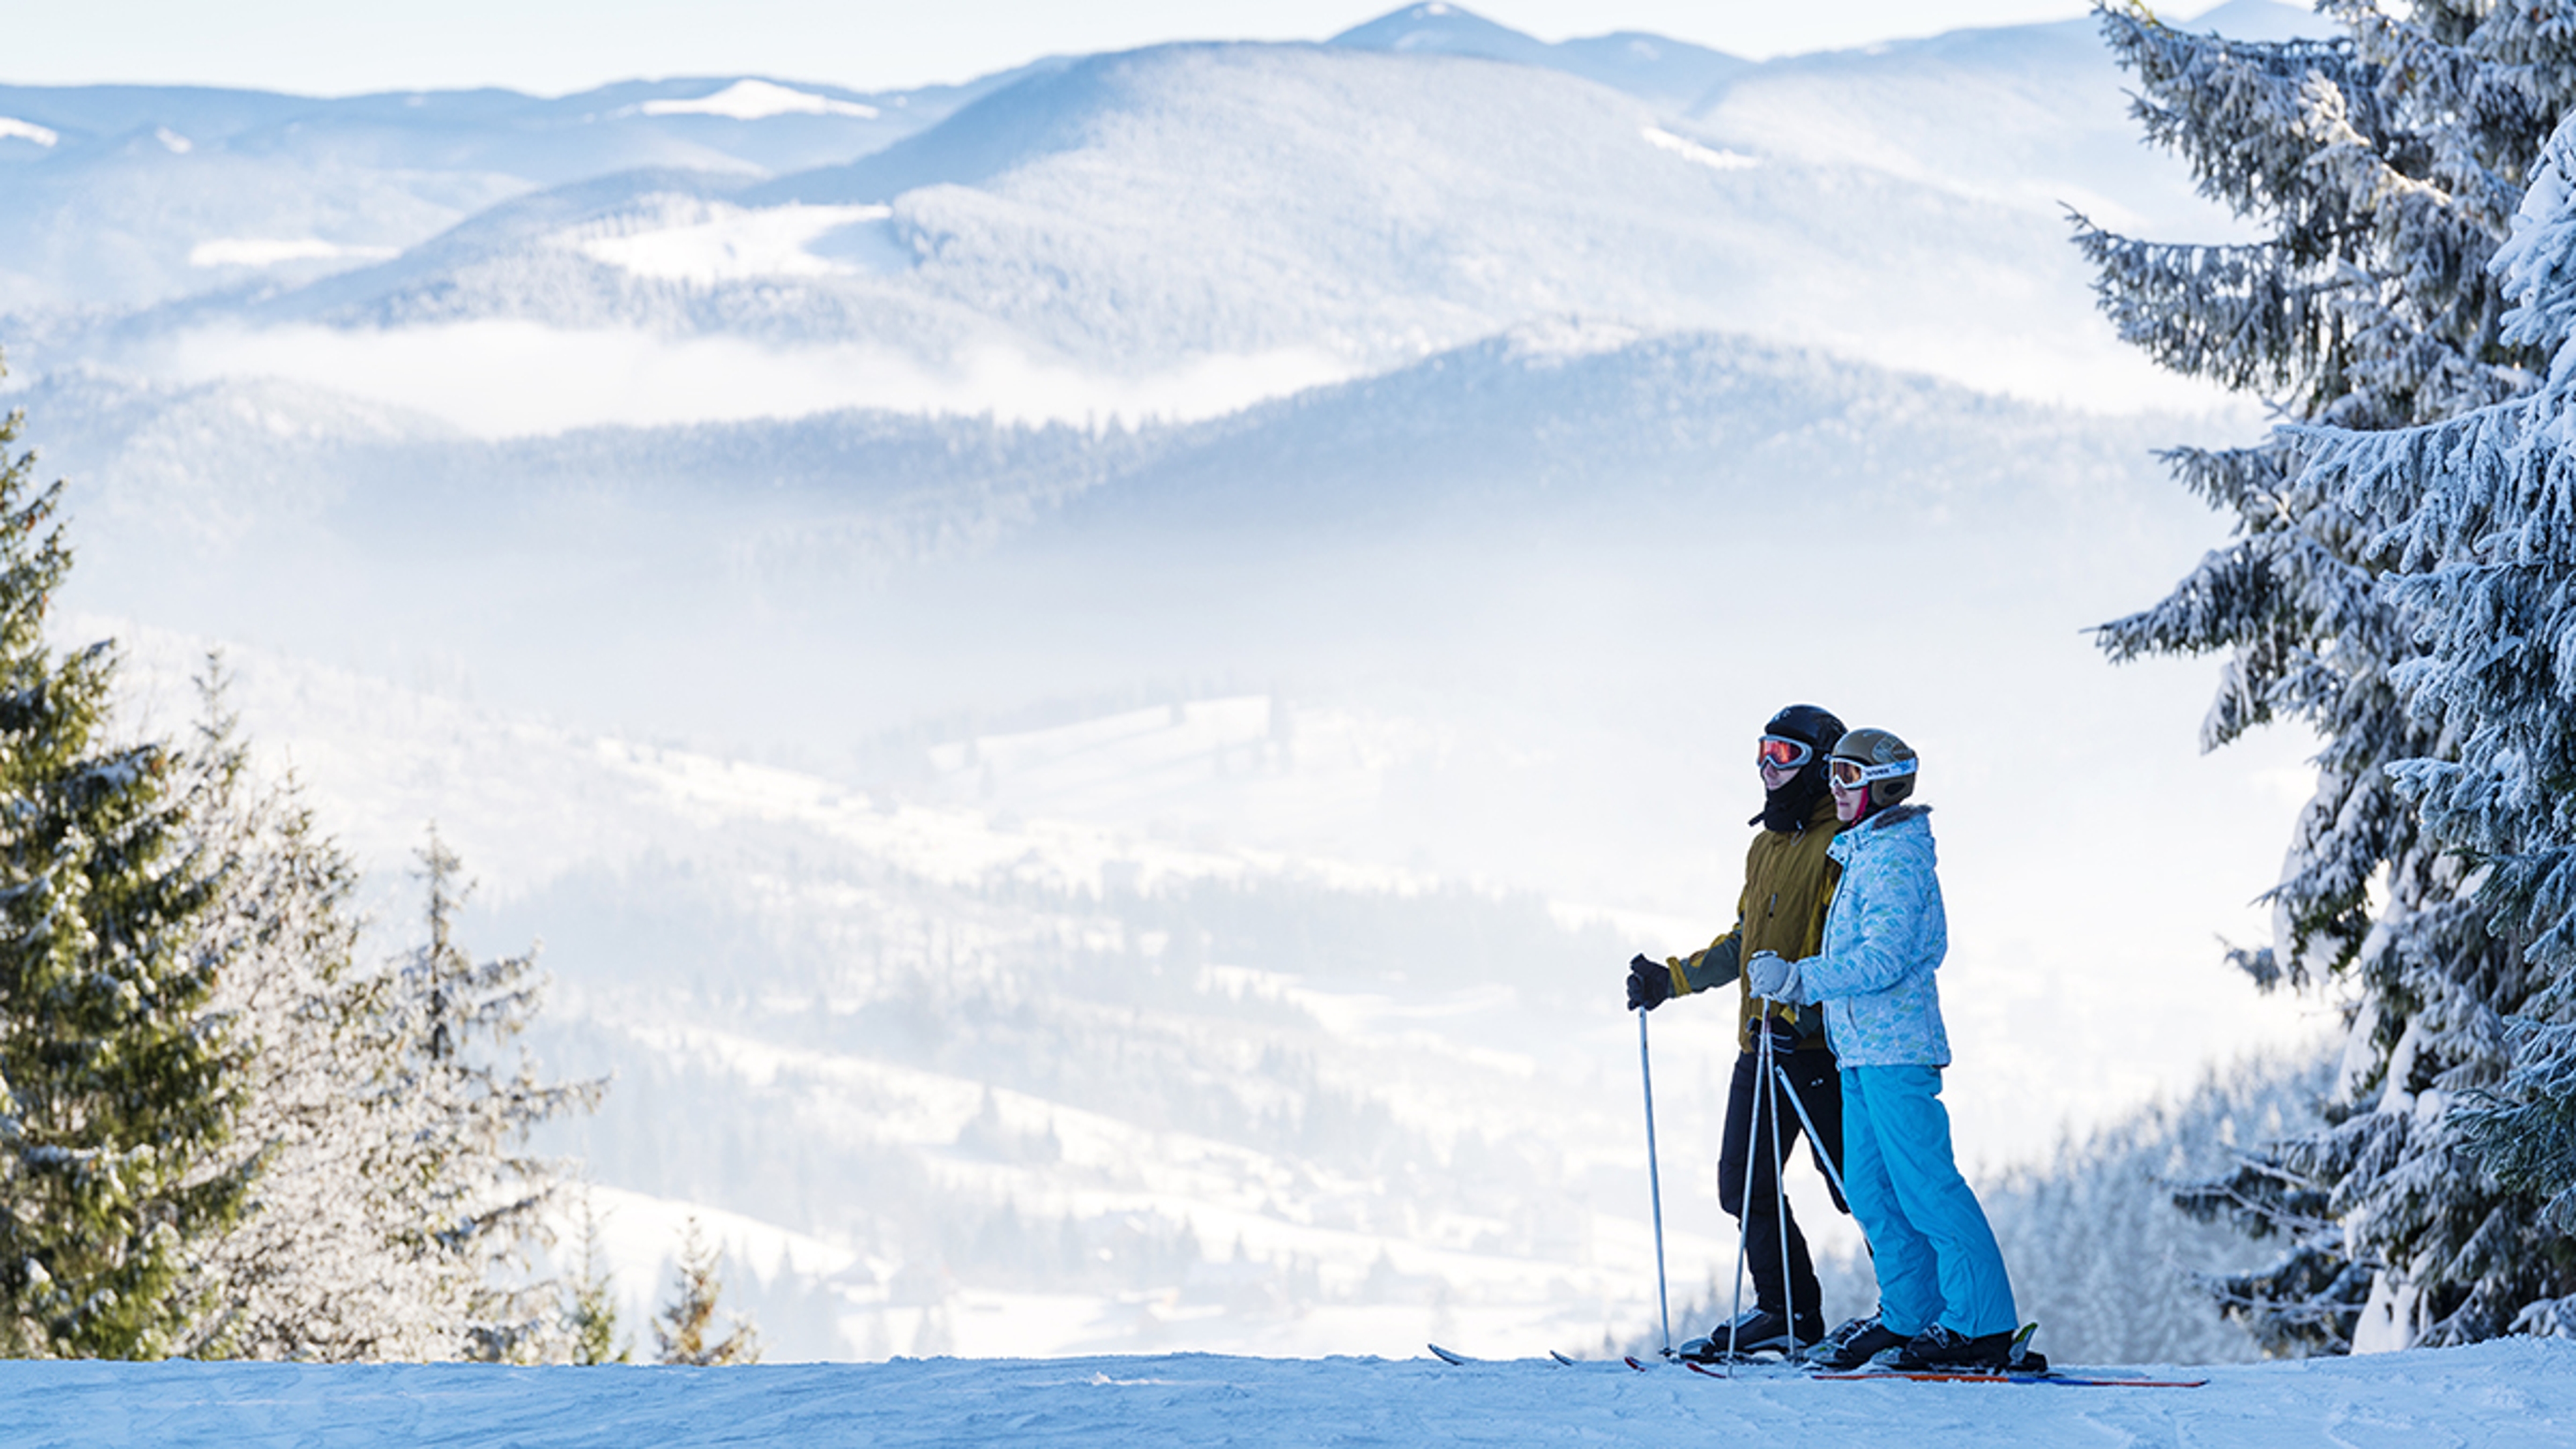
(947, 1075)
(2512, 1392)
(1142, 1086)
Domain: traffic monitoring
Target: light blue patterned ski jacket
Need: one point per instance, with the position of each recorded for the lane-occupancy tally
(1885, 935)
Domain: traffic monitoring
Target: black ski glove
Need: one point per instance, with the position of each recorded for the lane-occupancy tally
(1650, 983)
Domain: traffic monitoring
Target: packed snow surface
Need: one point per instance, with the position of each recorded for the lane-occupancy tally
(2516, 1392)
(757, 100)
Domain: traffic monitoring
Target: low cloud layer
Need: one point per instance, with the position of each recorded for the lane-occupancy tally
(510, 378)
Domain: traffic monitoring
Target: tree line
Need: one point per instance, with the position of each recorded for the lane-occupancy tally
(224, 1133)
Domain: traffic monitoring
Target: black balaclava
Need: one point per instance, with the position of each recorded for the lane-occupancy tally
(1789, 808)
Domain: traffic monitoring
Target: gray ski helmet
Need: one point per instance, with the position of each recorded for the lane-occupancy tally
(1806, 722)
(1887, 762)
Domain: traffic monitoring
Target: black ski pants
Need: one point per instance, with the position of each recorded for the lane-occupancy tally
(1767, 1220)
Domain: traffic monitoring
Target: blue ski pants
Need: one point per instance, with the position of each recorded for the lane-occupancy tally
(1935, 1254)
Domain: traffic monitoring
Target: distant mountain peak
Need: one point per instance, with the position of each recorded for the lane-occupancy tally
(1444, 29)
(1653, 67)
(2263, 20)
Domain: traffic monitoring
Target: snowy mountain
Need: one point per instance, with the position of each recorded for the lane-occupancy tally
(1200, 226)
(127, 195)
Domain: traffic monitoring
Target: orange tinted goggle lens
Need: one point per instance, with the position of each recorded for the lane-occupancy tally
(1846, 774)
(1782, 754)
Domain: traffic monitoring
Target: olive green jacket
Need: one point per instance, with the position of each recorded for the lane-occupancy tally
(1788, 879)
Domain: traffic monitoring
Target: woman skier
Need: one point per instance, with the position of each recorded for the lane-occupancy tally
(1787, 878)
(1943, 1298)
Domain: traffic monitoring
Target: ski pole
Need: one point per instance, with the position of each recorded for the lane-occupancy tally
(1779, 1179)
(1654, 1182)
(1824, 1154)
(1744, 1214)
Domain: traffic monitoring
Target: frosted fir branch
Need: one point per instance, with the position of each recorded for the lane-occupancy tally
(2227, 600)
(2482, 83)
(2244, 481)
(2536, 264)
(2231, 108)
(2243, 316)
(2260, 1194)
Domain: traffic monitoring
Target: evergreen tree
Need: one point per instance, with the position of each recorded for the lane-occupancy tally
(218, 1136)
(118, 1094)
(2386, 166)
(478, 1197)
(2479, 515)
(389, 1208)
(592, 1322)
(682, 1332)
(316, 1267)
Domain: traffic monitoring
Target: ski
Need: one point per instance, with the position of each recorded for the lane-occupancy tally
(1452, 1356)
(1758, 1367)
(1714, 1368)
(2062, 1380)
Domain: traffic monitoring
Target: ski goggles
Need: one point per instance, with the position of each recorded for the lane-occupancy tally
(1852, 774)
(1782, 753)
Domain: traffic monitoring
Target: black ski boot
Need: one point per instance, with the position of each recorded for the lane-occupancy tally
(1938, 1350)
(1755, 1330)
(1854, 1344)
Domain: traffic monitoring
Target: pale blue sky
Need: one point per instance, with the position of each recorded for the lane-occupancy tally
(335, 47)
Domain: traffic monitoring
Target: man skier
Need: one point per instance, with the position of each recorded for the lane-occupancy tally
(1787, 879)
(1943, 1297)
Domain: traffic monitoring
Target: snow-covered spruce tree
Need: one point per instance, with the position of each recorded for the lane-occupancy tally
(476, 1197)
(2478, 515)
(321, 1263)
(683, 1332)
(386, 1212)
(590, 1314)
(2385, 166)
(118, 1094)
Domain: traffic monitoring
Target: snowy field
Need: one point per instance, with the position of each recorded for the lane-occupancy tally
(2519, 1392)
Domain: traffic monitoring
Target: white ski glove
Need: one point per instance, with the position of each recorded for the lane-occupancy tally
(1773, 977)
